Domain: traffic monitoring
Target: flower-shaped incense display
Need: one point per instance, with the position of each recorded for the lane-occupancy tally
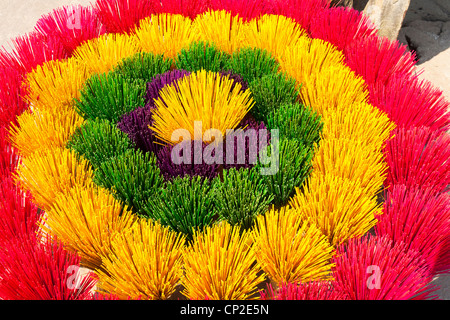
(214, 149)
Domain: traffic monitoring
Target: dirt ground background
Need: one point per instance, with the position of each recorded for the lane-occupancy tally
(426, 29)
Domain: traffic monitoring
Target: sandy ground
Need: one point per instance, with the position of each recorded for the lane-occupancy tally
(437, 70)
(18, 17)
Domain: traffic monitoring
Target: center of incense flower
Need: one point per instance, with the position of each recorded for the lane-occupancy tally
(137, 123)
(203, 96)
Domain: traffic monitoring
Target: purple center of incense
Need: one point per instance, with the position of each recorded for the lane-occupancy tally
(136, 125)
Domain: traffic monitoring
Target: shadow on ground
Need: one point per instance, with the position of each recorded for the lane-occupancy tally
(426, 28)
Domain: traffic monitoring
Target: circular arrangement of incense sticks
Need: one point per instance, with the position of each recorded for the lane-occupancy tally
(216, 149)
